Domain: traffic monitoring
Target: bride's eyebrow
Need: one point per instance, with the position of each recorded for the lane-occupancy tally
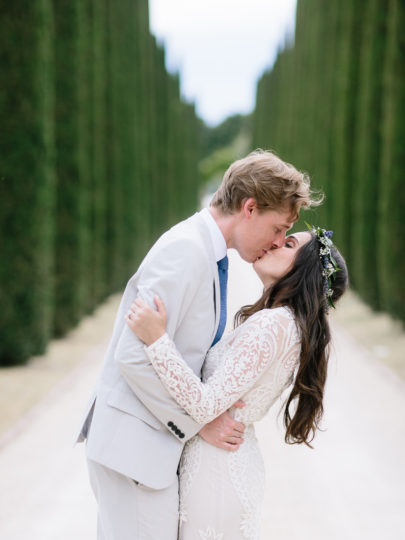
(292, 237)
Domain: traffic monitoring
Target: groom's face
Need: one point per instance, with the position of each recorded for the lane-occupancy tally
(261, 231)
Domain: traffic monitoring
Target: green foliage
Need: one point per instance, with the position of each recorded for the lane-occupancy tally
(98, 155)
(347, 73)
(26, 178)
(333, 104)
(367, 149)
(72, 164)
(214, 166)
(222, 135)
(220, 146)
(98, 158)
(391, 225)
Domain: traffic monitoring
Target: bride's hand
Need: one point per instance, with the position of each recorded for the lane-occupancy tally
(148, 324)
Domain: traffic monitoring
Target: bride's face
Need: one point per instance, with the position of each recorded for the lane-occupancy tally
(276, 263)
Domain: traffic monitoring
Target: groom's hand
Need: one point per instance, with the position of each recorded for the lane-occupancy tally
(224, 432)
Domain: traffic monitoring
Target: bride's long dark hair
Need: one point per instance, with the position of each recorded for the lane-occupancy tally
(301, 289)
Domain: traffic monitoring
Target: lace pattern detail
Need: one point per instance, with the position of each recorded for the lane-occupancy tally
(189, 465)
(256, 362)
(246, 469)
(257, 403)
(210, 534)
(263, 342)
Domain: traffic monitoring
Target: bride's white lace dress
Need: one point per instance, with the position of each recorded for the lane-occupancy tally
(221, 491)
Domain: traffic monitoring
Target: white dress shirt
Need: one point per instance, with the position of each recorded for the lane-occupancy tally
(218, 240)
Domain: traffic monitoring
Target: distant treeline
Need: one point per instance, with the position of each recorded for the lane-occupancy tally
(224, 134)
(98, 154)
(334, 104)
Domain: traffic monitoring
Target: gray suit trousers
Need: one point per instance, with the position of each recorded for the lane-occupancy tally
(131, 511)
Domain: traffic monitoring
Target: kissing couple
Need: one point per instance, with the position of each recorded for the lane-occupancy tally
(171, 447)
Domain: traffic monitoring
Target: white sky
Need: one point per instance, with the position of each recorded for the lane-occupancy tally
(220, 48)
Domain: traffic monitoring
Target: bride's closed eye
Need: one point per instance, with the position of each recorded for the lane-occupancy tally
(291, 241)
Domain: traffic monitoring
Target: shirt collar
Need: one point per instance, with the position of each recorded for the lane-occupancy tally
(217, 238)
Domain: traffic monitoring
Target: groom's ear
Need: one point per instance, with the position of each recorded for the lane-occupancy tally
(248, 206)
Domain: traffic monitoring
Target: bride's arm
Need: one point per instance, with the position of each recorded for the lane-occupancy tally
(254, 347)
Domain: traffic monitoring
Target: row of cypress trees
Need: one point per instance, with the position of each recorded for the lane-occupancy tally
(98, 155)
(333, 104)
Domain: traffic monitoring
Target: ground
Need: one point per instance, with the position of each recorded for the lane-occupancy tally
(349, 487)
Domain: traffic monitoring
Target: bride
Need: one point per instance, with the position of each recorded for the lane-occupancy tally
(279, 341)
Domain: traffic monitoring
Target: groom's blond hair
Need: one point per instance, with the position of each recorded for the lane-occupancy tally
(273, 183)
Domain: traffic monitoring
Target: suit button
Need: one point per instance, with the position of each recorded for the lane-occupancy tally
(181, 435)
(177, 431)
(170, 424)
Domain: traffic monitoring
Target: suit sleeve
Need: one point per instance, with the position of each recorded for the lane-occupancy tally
(174, 273)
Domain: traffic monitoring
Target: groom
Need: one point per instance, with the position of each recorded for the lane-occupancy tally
(135, 431)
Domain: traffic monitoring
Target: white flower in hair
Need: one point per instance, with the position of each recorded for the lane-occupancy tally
(329, 265)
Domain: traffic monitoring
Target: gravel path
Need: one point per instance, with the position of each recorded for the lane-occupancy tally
(351, 486)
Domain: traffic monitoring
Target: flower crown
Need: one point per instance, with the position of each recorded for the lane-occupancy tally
(329, 265)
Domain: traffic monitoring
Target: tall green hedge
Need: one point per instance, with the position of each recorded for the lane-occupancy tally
(391, 224)
(347, 80)
(98, 156)
(333, 104)
(367, 149)
(27, 181)
(98, 135)
(72, 163)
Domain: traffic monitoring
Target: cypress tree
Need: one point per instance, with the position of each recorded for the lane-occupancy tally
(368, 152)
(98, 281)
(142, 129)
(85, 147)
(304, 37)
(89, 177)
(115, 231)
(285, 112)
(328, 87)
(175, 155)
(323, 107)
(72, 165)
(190, 177)
(345, 124)
(153, 138)
(162, 143)
(310, 67)
(257, 115)
(391, 225)
(26, 179)
(127, 125)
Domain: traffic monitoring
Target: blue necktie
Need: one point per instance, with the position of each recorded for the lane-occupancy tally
(223, 280)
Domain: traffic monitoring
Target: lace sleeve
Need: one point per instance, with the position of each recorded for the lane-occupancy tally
(255, 346)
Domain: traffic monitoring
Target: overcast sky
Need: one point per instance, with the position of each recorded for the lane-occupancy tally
(220, 48)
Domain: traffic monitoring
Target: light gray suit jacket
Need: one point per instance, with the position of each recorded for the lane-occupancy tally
(132, 425)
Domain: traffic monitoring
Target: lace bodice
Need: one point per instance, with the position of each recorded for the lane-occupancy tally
(255, 361)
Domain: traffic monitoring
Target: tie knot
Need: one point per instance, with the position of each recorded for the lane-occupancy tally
(223, 264)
